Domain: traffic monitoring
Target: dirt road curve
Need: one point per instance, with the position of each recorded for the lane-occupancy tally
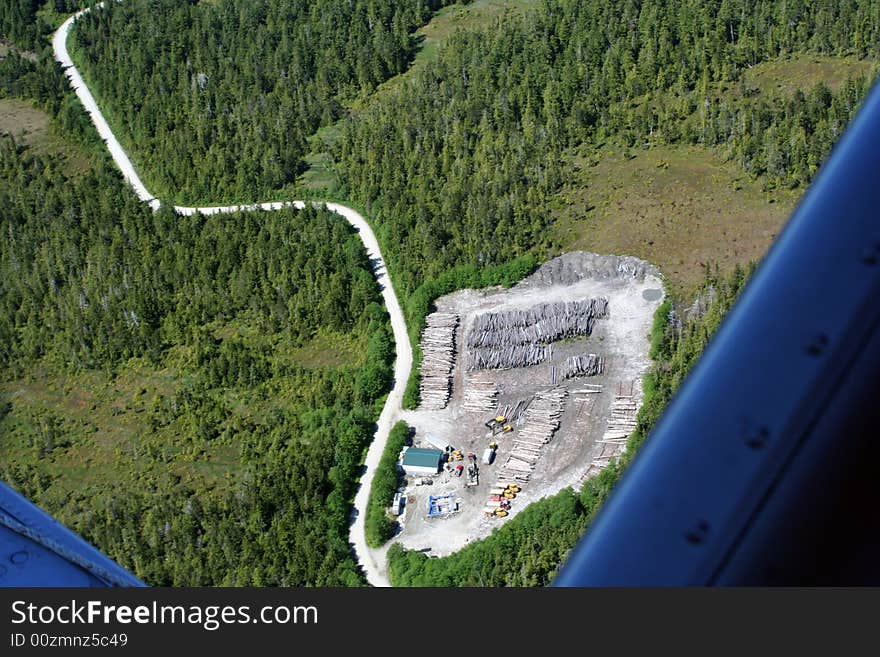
(371, 561)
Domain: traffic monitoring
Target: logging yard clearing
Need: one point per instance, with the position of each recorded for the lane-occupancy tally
(560, 357)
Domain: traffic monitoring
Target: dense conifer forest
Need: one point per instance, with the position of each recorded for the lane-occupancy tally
(244, 462)
(216, 100)
(92, 279)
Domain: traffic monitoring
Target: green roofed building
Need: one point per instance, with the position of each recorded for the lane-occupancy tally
(418, 461)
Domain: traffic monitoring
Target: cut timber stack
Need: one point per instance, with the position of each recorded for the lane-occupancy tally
(584, 406)
(541, 420)
(601, 457)
(546, 322)
(542, 416)
(438, 358)
(519, 355)
(586, 365)
(515, 412)
(480, 395)
(622, 418)
(621, 423)
(520, 338)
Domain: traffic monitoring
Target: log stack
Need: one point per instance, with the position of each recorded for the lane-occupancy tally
(515, 413)
(519, 355)
(480, 395)
(522, 338)
(621, 424)
(588, 389)
(544, 323)
(542, 416)
(438, 359)
(585, 365)
(541, 420)
(622, 418)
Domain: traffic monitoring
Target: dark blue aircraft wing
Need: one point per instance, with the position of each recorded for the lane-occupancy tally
(37, 550)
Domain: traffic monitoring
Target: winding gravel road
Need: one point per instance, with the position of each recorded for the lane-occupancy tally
(371, 561)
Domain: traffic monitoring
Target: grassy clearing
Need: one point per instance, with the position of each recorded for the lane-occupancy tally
(476, 15)
(6, 47)
(23, 121)
(446, 22)
(329, 349)
(681, 207)
(97, 429)
(53, 18)
(803, 72)
(100, 422)
(678, 207)
(320, 177)
(33, 127)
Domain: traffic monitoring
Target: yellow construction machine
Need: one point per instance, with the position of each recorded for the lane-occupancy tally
(496, 421)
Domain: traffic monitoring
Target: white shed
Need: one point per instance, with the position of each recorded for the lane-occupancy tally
(439, 443)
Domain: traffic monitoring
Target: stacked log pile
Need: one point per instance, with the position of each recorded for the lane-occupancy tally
(541, 422)
(521, 338)
(480, 395)
(546, 322)
(438, 358)
(621, 423)
(622, 418)
(585, 365)
(588, 389)
(515, 413)
(519, 355)
(584, 406)
(602, 456)
(542, 416)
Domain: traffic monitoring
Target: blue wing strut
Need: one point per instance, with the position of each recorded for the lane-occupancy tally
(36, 550)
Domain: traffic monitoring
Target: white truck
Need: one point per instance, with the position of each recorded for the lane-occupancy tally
(398, 504)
